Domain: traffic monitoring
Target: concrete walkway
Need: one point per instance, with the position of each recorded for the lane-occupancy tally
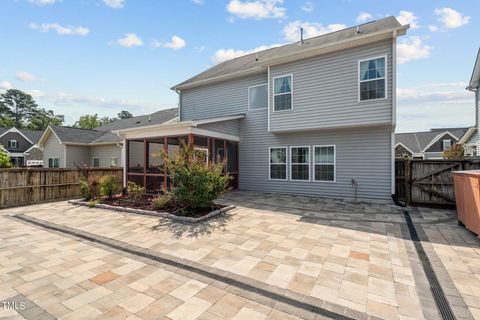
(274, 256)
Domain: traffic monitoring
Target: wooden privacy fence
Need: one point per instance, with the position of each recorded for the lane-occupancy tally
(33, 185)
(428, 182)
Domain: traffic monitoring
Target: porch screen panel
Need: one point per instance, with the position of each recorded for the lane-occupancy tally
(136, 156)
(232, 156)
(155, 162)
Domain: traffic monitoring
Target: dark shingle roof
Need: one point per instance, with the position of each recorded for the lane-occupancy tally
(250, 61)
(33, 135)
(417, 141)
(77, 135)
(158, 117)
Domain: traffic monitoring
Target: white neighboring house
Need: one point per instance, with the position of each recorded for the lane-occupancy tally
(473, 138)
(67, 147)
(21, 145)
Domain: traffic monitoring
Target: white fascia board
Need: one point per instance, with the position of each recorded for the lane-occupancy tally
(15, 130)
(44, 136)
(219, 119)
(174, 131)
(401, 144)
(467, 135)
(438, 138)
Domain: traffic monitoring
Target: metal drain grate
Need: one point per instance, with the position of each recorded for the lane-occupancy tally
(435, 287)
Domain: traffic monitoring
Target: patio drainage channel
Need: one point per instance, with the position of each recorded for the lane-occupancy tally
(435, 287)
(281, 296)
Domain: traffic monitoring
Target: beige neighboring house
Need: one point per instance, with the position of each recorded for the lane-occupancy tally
(68, 147)
(472, 138)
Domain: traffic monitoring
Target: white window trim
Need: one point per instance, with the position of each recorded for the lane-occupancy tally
(279, 94)
(205, 149)
(258, 85)
(359, 81)
(308, 163)
(16, 144)
(334, 163)
(443, 144)
(93, 162)
(117, 165)
(270, 159)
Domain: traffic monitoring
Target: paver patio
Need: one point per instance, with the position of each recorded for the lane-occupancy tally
(350, 258)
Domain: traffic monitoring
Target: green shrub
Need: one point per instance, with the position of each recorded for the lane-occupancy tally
(108, 186)
(164, 202)
(135, 192)
(4, 159)
(195, 184)
(456, 152)
(93, 203)
(85, 190)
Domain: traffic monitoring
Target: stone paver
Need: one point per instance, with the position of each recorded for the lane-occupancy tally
(351, 255)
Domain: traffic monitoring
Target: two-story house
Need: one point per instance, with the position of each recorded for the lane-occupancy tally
(21, 145)
(473, 137)
(315, 117)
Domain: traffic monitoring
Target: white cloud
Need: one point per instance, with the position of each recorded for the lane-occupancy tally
(36, 93)
(227, 54)
(116, 4)
(364, 17)
(450, 18)
(130, 40)
(61, 30)
(25, 76)
(291, 31)
(259, 9)
(433, 28)
(432, 106)
(43, 2)
(308, 6)
(5, 85)
(407, 17)
(412, 48)
(176, 43)
(198, 1)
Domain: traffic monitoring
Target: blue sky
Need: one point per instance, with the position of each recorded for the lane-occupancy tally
(101, 56)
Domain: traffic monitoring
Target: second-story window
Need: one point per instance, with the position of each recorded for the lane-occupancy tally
(13, 144)
(282, 93)
(257, 97)
(447, 144)
(372, 79)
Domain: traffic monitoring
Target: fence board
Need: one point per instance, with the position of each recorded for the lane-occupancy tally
(25, 186)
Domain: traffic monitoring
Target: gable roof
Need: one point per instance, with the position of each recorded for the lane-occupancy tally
(70, 135)
(158, 117)
(475, 78)
(32, 135)
(417, 142)
(257, 62)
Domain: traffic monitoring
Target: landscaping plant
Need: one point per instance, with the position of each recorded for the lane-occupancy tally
(195, 184)
(94, 186)
(109, 186)
(164, 201)
(4, 159)
(456, 152)
(135, 192)
(85, 190)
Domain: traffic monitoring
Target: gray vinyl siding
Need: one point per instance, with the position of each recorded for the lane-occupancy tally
(363, 154)
(477, 102)
(223, 99)
(229, 127)
(77, 156)
(104, 153)
(437, 146)
(325, 91)
(53, 149)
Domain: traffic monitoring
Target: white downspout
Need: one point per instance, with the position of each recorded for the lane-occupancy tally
(394, 108)
(268, 102)
(179, 104)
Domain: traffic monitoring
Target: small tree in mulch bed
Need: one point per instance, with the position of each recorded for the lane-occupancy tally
(109, 186)
(195, 184)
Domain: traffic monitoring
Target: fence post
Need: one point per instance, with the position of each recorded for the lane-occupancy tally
(408, 181)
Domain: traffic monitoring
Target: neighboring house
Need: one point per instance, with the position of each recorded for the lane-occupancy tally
(67, 147)
(21, 146)
(315, 117)
(429, 144)
(474, 85)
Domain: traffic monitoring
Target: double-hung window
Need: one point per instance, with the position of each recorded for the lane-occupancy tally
(372, 79)
(447, 143)
(96, 162)
(324, 163)
(282, 93)
(300, 163)
(113, 162)
(53, 162)
(278, 163)
(13, 144)
(258, 97)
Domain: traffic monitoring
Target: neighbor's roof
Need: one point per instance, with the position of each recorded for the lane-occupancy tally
(33, 135)
(158, 117)
(417, 141)
(254, 61)
(475, 78)
(84, 136)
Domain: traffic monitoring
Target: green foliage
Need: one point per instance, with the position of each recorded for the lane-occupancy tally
(108, 186)
(135, 192)
(124, 114)
(195, 184)
(456, 152)
(85, 190)
(19, 109)
(93, 203)
(94, 186)
(164, 202)
(4, 159)
(88, 122)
